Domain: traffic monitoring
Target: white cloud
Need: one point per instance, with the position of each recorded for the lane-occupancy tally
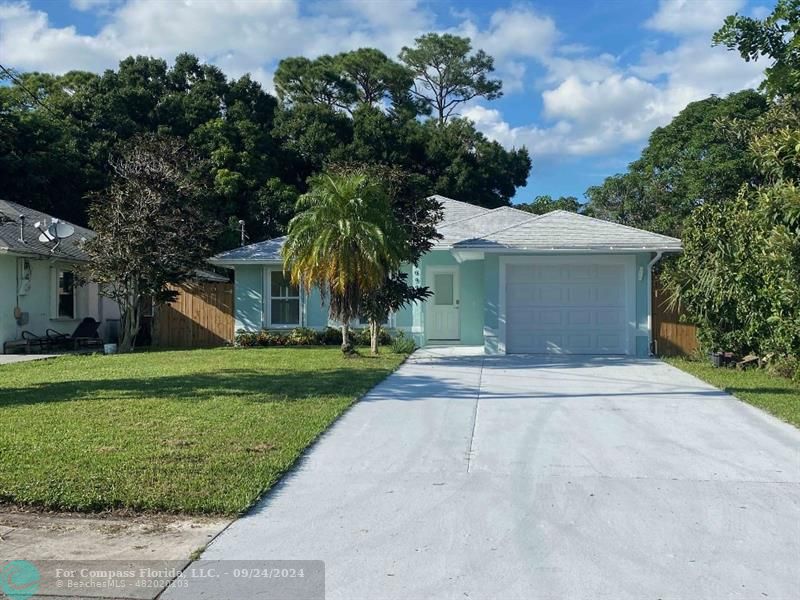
(519, 31)
(682, 17)
(512, 34)
(85, 5)
(595, 104)
(28, 41)
(241, 35)
(587, 114)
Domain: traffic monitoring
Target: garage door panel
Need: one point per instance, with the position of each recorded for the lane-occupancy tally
(579, 342)
(582, 272)
(609, 342)
(566, 308)
(549, 318)
(610, 295)
(579, 294)
(608, 317)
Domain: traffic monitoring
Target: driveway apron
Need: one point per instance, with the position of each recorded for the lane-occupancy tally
(533, 477)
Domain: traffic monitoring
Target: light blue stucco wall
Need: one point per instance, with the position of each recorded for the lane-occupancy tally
(643, 305)
(8, 297)
(491, 308)
(316, 311)
(404, 318)
(249, 309)
(471, 296)
(479, 289)
(248, 294)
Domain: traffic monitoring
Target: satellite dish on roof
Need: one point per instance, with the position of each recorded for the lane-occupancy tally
(55, 232)
(60, 230)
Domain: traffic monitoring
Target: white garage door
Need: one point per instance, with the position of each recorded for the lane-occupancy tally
(566, 308)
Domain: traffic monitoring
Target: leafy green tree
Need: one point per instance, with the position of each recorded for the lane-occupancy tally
(43, 154)
(375, 78)
(300, 80)
(344, 240)
(61, 152)
(446, 75)
(775, 38)
(738, 278)
(354, 107)
(699, 158)
(151, 229)
(463, 164)
(417, 214)
(309, 134)
(544, 204)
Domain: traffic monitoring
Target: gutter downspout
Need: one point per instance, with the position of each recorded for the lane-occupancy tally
(651, 346)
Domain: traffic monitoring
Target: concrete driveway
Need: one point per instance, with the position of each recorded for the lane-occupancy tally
(525, 477)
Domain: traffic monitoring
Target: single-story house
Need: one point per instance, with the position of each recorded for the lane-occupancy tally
(38, 285)
(504, 279)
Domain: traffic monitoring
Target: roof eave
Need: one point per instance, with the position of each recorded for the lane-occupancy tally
(42, 255)
(565, 250)
(232, 262)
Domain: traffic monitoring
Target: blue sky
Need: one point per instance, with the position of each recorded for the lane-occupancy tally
(585, 81)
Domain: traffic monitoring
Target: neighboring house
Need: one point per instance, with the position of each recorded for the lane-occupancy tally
(38, 289)
(505, 279)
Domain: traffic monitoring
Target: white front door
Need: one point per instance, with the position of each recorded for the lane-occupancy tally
(443, 307)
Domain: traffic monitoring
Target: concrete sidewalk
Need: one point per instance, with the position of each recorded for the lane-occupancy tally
(527, 477)
(10, 359)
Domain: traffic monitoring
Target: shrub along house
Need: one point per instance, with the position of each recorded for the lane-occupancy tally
(503, 279)
(38, 284)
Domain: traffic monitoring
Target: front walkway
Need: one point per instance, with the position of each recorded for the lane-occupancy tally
(8, 359)
(464, 476)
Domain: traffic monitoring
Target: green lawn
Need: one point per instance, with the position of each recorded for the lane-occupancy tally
(776, 395)
(201, 431)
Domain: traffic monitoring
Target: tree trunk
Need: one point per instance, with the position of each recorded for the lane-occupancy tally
(374, 329)
(130, 321)
(346, 349)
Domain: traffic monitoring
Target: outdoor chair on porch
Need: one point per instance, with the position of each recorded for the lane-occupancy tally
(28, 343)
(85, 336)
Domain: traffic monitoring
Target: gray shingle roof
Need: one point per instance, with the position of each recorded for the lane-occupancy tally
(11, 215)
(455, 210)
(268, 251)
(468, 226)
(562, 230)
(479, 225)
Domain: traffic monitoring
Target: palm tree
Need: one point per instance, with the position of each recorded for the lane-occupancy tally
(343, 240)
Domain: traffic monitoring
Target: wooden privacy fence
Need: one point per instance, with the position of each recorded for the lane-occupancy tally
(672, 337)
(201, 317)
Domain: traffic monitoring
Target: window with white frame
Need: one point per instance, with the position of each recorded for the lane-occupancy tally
(284, 300)
(65, 295)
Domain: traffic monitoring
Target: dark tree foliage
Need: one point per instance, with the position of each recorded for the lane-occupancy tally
(151, 228)
(463, 164)
(544, 204)
(698, 158)
(356, 106)
(58, 157)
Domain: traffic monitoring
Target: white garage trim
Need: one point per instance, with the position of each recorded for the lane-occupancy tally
(627, 260)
